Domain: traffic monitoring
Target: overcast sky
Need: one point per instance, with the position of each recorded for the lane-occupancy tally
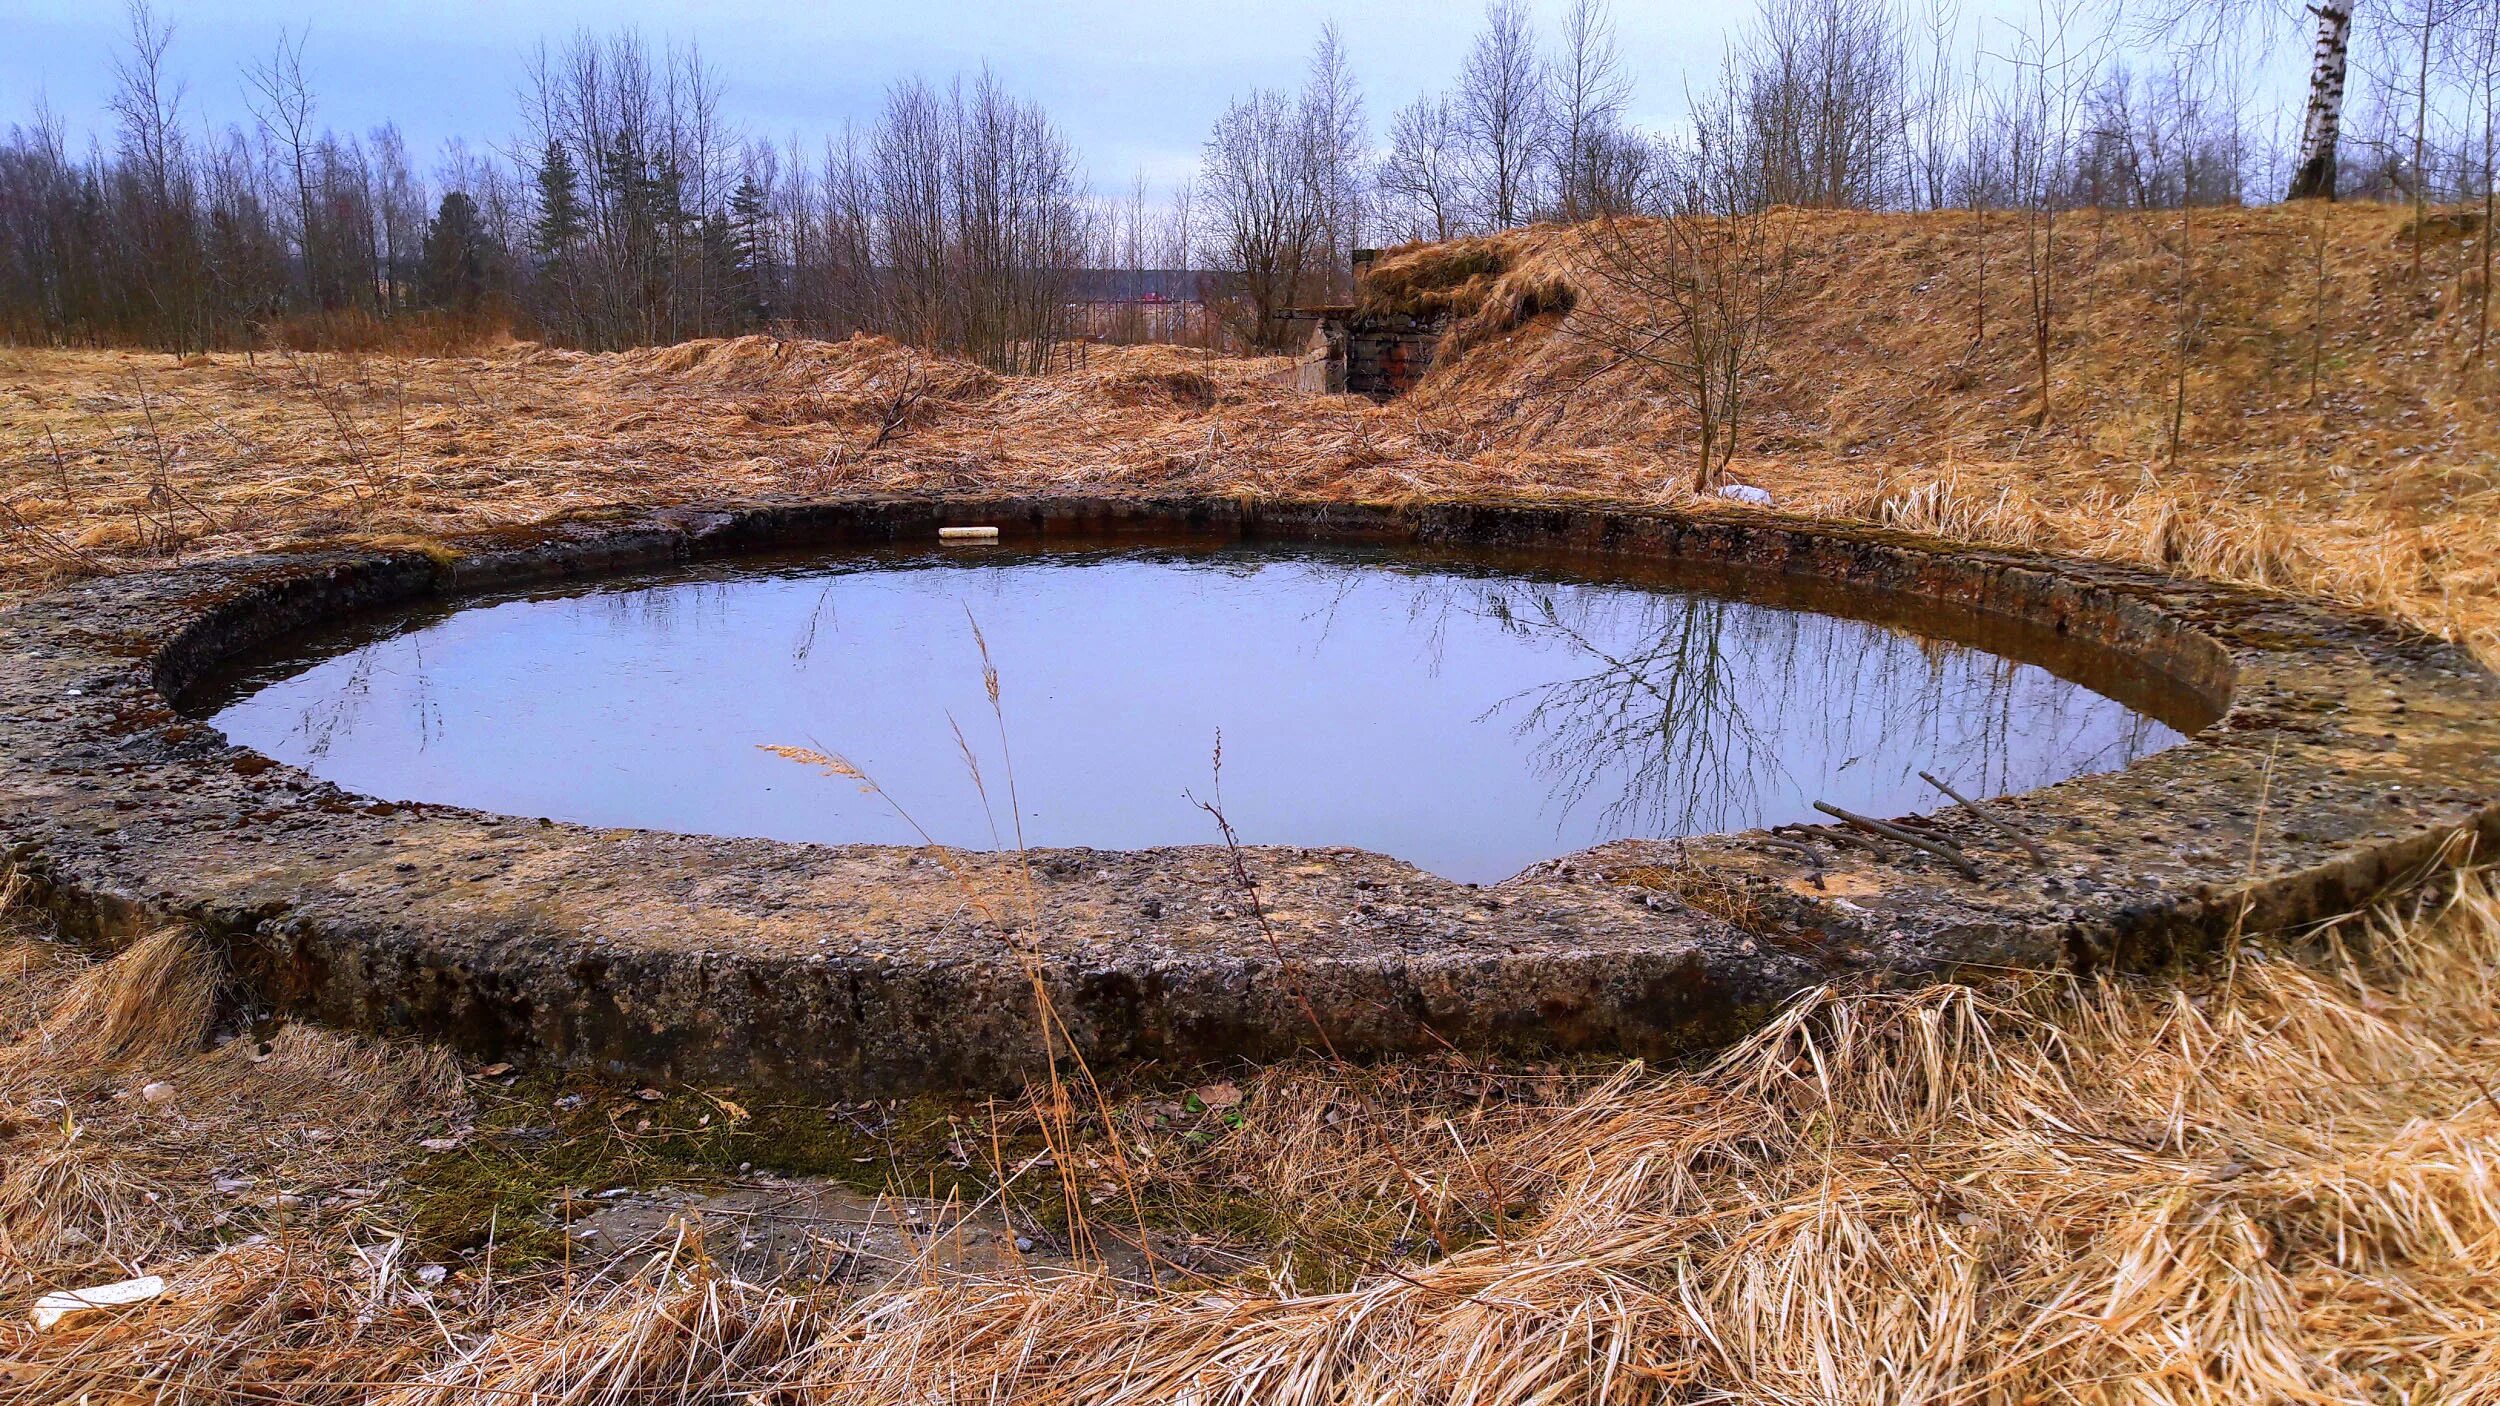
(1134, 83)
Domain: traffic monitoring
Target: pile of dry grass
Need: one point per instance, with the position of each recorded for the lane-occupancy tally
(1486, 287)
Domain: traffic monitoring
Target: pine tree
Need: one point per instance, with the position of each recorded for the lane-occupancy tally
(557, 238)
(561, 219)
(452, 270)
(751, 251)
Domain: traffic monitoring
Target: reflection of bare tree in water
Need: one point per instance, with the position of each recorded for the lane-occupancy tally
(1691, 712)
(334, 714)
(1663, 713)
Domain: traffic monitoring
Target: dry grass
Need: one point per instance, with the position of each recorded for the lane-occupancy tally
(2277, 1181)
(2272, 1181)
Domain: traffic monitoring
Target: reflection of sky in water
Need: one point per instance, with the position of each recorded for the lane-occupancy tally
(1470, 723)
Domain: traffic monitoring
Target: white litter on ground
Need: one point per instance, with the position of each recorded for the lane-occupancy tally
(69, 1303)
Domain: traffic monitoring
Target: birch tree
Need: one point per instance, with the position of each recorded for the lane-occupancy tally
(2322, 120)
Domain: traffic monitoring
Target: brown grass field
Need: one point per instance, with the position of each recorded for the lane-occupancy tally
(2277, 1179)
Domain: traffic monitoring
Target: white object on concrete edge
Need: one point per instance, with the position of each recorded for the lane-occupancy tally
(1746, 493)
(967, 534)
(69, 1303)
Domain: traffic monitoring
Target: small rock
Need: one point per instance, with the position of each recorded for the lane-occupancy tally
(432, 1274)
(1024, 1244)
(1745, 493)
(157, 1093)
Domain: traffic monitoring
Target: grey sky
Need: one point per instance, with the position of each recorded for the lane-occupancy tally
(1134, 83)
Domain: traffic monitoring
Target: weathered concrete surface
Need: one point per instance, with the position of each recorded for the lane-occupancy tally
(2346, 755)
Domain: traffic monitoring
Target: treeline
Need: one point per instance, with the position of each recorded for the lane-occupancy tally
(630, 210)
(634, 216)
(187, 240)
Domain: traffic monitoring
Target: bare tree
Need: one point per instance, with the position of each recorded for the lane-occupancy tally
(2481, 51)
(2051, 61)
(1281, 181)
(2187, 305)
(154, 193)
(1333, 128)
(1501, 111)
(1822, 86)
(1695, 292)
(1422, 172)
(1588, 89)
(1263, 209)
(281, 102)
(1937, 98)
(2423, 27)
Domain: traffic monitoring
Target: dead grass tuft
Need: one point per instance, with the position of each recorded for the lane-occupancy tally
(152, 1003)
(1428, 280)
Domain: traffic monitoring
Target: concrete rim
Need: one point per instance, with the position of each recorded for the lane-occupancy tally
(2347, 754)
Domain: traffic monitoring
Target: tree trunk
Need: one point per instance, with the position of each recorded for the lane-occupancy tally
(2314, 177)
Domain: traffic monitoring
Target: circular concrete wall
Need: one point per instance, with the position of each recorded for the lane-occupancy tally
(2343, 755)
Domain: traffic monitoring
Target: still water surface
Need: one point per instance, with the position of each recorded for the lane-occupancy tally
(1469, 712)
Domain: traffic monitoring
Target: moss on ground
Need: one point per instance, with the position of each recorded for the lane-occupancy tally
(543, 1141)
(543, 1144)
